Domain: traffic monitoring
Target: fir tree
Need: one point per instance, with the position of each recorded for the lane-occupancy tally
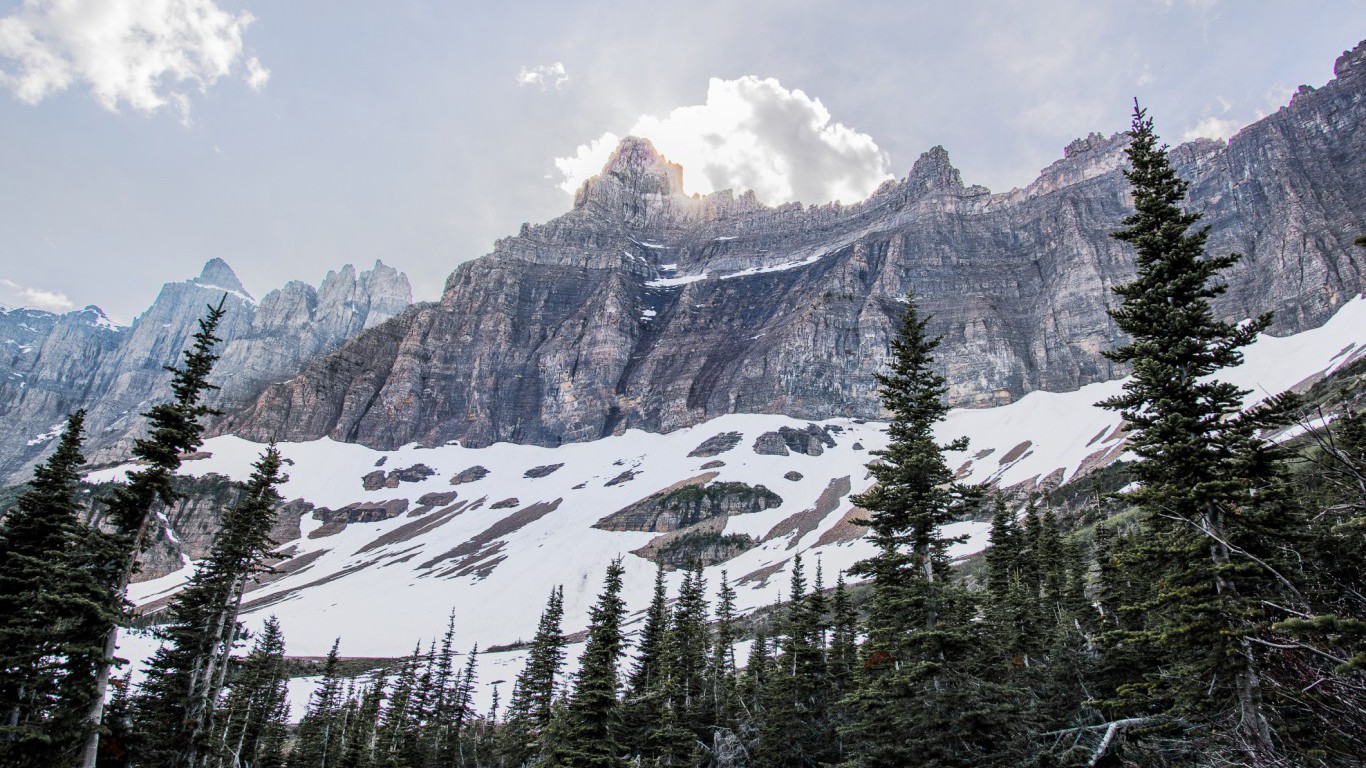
(721, 679)
(795, 722)
(359, 749)
(587, 730)
(398, 729)
(320, 736)
(690, 639)
(176, 705)
(1206, 480)
(252, 721)
(175, 428)
(647, 686)
(533, 692)
(49, 601)
(925, 694)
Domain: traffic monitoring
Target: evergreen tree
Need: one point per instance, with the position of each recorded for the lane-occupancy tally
(176, 705)
(1207, 481)
(690, 640)
(49, 601)
(925, 694)
(587, 730)
(721, 679)
(794, 731)
(359, 749)
(397, 734)
(252, 721)
(175, 428)
(842, 663)
(647, 686)
(533, 692)
(320, 736)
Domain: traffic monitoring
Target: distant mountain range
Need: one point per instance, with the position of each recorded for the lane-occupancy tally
(51, 365)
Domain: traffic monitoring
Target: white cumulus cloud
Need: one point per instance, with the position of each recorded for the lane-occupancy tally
(752, 134)
(544, 75)
(141, 53)
(51, 301)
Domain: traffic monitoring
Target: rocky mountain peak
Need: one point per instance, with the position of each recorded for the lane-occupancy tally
(933, 172)
(637, 179)
(217, 274)
(1351, 63)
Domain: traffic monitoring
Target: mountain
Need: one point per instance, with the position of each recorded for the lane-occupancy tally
(378, 546)
(51, 365)
(646, 308)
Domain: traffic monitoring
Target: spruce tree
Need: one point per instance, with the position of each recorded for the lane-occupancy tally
(252, 721)
(926, 694)
(176, 704)
(49, 603)
(175, 428)
(586, 731)
(1206, 479)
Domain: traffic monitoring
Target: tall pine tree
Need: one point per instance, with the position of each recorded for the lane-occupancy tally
(1206, 479)
(175, 428)
(586, 731)
(176, 705)
(923, 695)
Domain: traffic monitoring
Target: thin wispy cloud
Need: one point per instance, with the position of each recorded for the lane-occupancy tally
(752, 134)
(544, 76)
(38, 298)
(142, 54)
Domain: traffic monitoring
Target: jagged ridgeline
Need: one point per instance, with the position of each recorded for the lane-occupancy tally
(643, 307)
(51, 365)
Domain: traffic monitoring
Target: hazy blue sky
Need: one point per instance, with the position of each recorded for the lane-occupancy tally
(139, 138)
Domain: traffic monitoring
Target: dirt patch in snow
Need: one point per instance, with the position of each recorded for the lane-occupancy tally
(477, 547)
(806, 521)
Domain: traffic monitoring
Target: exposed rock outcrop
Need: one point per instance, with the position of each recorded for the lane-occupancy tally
(681, 507)
(646, 308)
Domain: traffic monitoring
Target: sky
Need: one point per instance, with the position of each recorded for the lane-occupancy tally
(140, 138)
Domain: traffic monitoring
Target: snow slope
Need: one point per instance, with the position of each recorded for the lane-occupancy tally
(382, 585)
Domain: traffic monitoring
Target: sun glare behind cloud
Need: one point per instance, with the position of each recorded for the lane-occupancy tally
(751, 134)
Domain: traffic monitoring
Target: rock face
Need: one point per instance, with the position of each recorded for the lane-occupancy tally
(689, 505)
(646, 308)
(50, 365)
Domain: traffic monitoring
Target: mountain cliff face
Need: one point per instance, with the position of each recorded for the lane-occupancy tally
(643, 307)
(50, 365)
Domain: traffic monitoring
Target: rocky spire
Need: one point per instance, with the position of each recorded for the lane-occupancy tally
(217, 274)
(637, 183)
(933, 172)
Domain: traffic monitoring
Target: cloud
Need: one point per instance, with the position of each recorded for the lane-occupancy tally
(752, 134)
(1213, 128)
(545, 74)
(257, 74)
(139, 53)
(51, 301)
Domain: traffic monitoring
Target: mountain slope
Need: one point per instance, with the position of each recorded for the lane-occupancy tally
(644, 308)
(383, 544)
